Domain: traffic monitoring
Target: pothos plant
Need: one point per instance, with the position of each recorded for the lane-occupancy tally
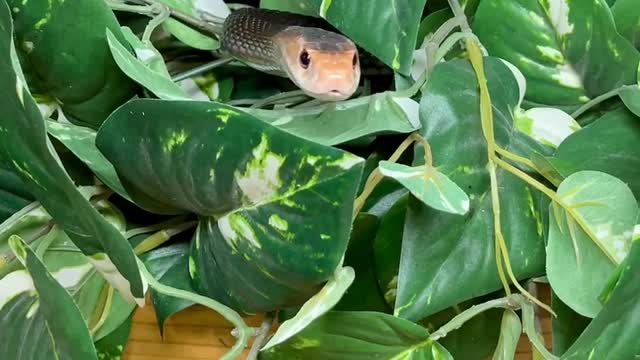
(495, 148)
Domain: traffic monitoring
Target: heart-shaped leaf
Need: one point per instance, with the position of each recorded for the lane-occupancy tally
(86, 80)
(25, 147)
(66, 330)
(566, 59)
(251, 184)
(611, 334)
(429, 186)
(347, 335)
(626, 15)
(439, 241)
(579, 263)
(334, 124)
(185, 33)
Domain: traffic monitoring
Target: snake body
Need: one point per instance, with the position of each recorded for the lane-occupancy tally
(321, 62)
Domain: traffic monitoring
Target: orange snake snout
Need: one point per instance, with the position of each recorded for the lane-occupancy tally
(334, 75)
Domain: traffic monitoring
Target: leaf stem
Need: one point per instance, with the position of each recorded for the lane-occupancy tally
(512, 302)
(597, 100)
(153, 24)
(459, 14)
(295, 94)
(375, 177)
(261, 336)
(160, 237)
(244, 332)
(202, 69)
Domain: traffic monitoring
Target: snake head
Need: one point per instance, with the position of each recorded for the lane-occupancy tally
(323, 64)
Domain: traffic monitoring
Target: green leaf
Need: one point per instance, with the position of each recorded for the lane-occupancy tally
(566, 326)
(363, 294)
(612, 334)
(185, 33)
(73, 67)
(569, 51)
(315, 307)
(81, 141)
(66, 327)
(510, 331)
(170, 266)
(359, 335)
(140, 68)
(25, 146)
(387, 247)
(14, 195)
(111, 347)
(251, 184)
(439, 241)
(398, 21)
(609, 144)
(579, 263)
(631, 98)
(334, 124)
(429, 186)
(626, 15)
(548, 126)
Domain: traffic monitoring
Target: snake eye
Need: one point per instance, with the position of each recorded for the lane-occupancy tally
(305, 60)
(355, 60)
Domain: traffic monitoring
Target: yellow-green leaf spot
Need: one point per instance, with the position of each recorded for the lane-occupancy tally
(395, 64)
(176, 138)
(324, 7)
(552, 54)
(261, 178)
(312, 160)
(235, 228)
(192, 267)
(303, 343)
(325, 237)
(224, 114)
(347, 161)
(278, 222)
(534, 213)
(546, 125)
(567, 76)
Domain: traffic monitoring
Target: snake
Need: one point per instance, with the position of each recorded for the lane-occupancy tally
(320, 61)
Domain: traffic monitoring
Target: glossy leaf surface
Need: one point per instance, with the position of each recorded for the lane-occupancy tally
(359, 335)
(86, 80)
(250, 183)
(435, 244)
(566, 58)
(24, 145)
(579, 263)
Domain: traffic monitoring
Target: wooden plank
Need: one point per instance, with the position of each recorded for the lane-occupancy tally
(199, 333)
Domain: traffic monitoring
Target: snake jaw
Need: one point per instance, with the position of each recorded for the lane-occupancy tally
(324, 65)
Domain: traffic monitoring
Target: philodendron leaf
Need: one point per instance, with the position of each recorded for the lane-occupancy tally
(352, 119)
(102, 307)
(631, 98)
(295, 6)
(566, 59)
(346, 335)
(81, 142)
(14, 195)
(566, 327)
(579, 263)
(510, 331)
(185, 33)
(65, 326)
(609, 144)
(315, 307)
(85, 81)
(141, 67)
(440, 241)
(111, 347)
(251, 184)
(429, 186)
(548, 126)
(398, 21)
(626, 14)
(24, 146)
(612, 334)
(170, 265)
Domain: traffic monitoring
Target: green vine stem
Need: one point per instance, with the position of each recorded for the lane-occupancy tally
(160, 237)
(154, 23)
(261, 336)
(244, 332)
(106, 298)
(375, 177)
(512, 302)
(597, 100)
(202, 69)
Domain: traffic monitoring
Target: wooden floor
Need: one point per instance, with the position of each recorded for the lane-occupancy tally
(199, 333)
